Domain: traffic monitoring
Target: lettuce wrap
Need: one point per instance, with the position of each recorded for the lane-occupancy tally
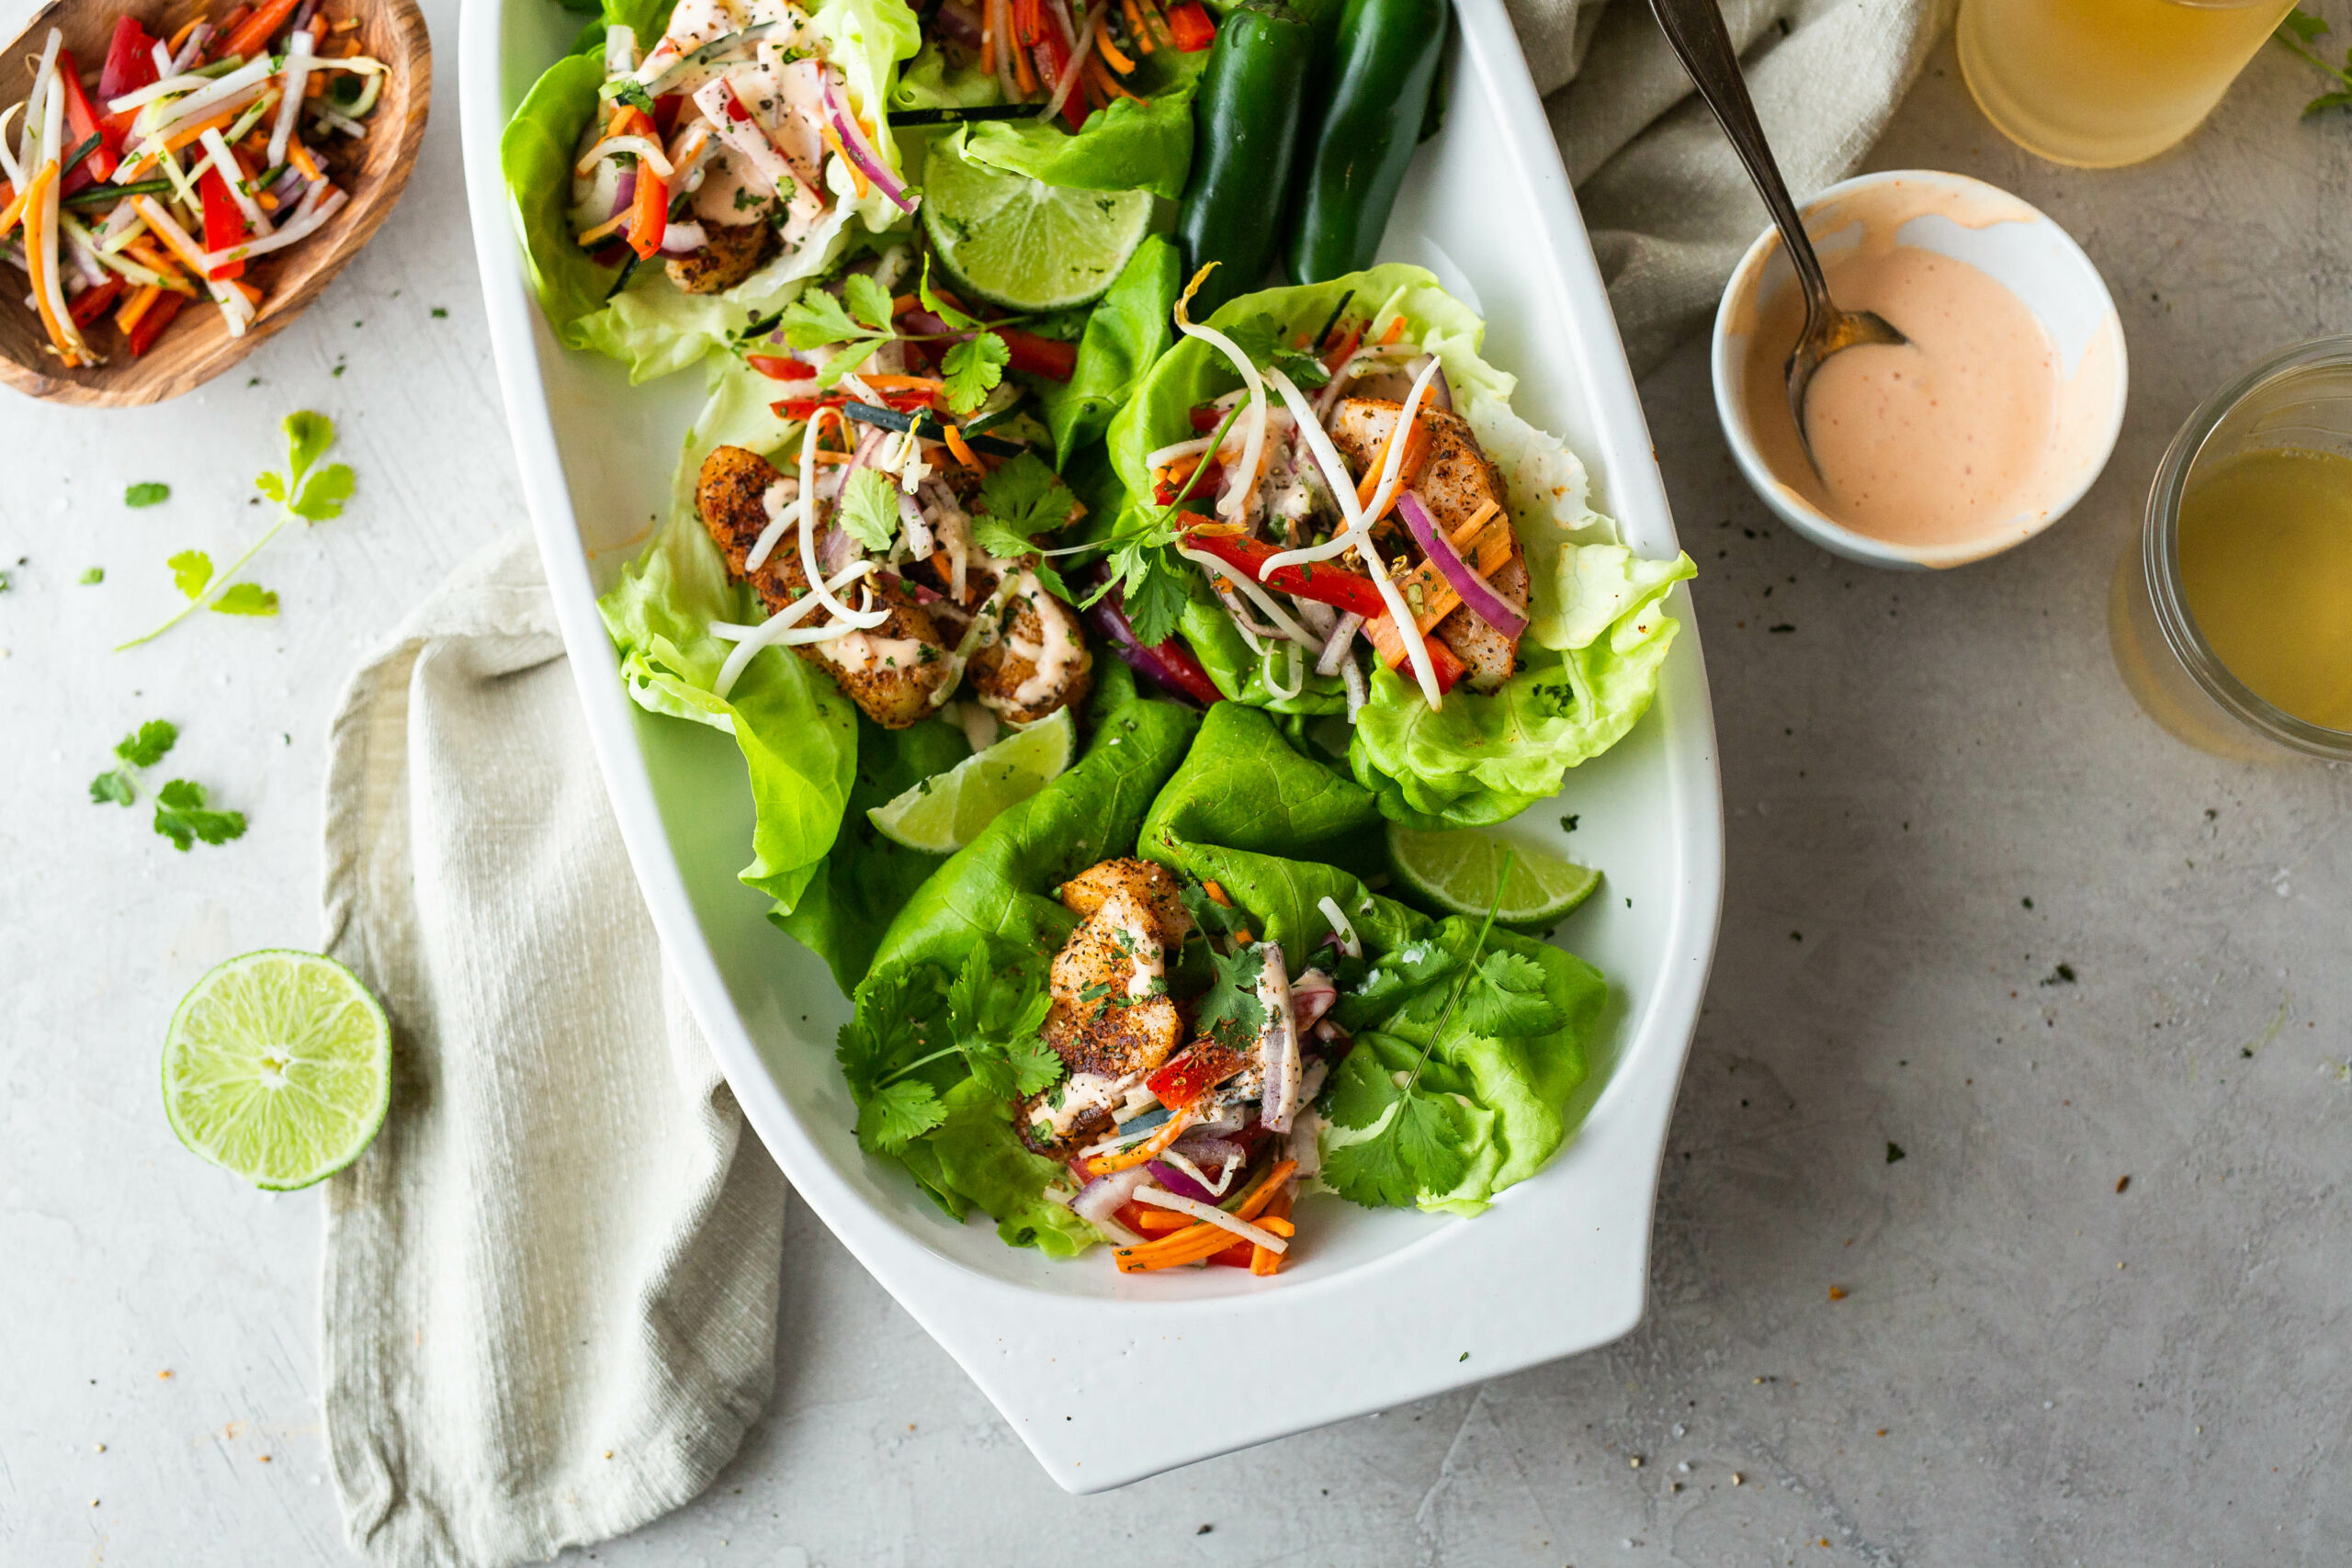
(992, 901)
(652, 326)
(1280, 832)
(1596, 630)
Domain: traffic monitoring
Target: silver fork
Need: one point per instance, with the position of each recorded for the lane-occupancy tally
(1695, 28)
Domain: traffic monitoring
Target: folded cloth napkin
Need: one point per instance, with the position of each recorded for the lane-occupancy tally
(1670, 207)
(550, 1298)
(550, 1286)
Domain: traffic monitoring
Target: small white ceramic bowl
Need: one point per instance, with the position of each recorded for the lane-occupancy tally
(2025, 252)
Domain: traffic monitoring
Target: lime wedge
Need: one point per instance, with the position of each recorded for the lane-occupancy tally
(1023, 245)
(1457, 872)
(278, 1066)
(947, 810)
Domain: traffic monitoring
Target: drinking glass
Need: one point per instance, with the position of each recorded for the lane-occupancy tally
(2298, 399)
(2102, 82)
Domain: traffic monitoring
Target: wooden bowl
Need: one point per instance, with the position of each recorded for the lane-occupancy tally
(196, 348)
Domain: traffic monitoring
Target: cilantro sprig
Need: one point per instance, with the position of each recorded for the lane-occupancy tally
(181, 812)
(2296, 33)
(142, 747)
(302, 489)
(1020, 499)
(991, 1014)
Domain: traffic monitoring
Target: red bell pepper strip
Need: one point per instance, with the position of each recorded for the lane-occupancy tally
(81, 122)
(1323, 582)
(1044, 356)
(159, 316)
(1198, 497)
(131, 60)
(1193, 1072)
(88, 305)
(1444, 665)
(1191, 25)
(1346, 348)
(802, 408)
(780, 367)
(224, 222)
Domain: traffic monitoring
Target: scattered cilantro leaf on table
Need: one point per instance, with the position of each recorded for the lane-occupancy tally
(148, 744)
(191, 572)
(182, 816)
(94, 575)
(147, 494)
(2296, 33)
(246, 599)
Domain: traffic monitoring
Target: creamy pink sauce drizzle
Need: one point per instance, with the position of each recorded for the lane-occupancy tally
(1966, 436)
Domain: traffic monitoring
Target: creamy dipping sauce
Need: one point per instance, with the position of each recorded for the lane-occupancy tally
(1966, 436)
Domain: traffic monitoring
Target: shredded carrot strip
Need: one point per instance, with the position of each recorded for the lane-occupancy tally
(904, 383)
(161, 224)
(1215, 891)
(1023, 73)
(142, 250)
(1135, 29)
(856, 175)
(1265, 1260)
(1108, 83)
(20, 205)
(610, 226)
(1203, 1240)
(180, 37)
(253, 294)
(962, 448)
(1105, 1164)
(37, 261)
(314, 85)
(145, 297)
(1119, 62)
(1164, 1220)
(988, 38)
(1396, 329)
(299, 156)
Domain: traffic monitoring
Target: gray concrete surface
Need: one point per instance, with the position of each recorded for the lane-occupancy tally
(1980, 911)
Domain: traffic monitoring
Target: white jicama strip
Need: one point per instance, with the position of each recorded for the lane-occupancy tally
(163, 59)
(262, 103)
(1392, 468)
(620, 50)
(343, 123)
(14, 170)
(224, 162)
(1174, 450)
(1343, 635)
(1297, 675)
(1342, 926)
(648, 150)
(123, 226)
(1278, 1044)
(861, 392)
(152, 144)
(214, 98)
(141, 98)
(1077, 61)
(298, 72)
(36, 144)
(1161, 1197)
(777, 631)
(307, 221)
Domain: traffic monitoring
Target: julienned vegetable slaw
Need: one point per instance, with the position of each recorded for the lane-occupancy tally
(1177, 987)
(172, 171)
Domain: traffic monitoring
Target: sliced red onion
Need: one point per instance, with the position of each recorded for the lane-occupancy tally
(1311, 996)
(959, 22)
(1077, 56)
(1176, 1181)
(1151, 663)
(1342, 636)
(1441, 392)
(911, 518)
(861, 152)
(623, 193)
(683, 239)
(1483, 600)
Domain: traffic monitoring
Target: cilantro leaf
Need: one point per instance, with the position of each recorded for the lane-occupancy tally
(869, 509)
(149, 494)
(145, 746)
(323, 495)
(191, 572)
(1371, 1171)
(1260, 337)
(1153, 596)
(996, 1011)
(1020, 500)
(1362, 1089)
(112, 786)
(1213, 918)
(96, 574)
(1035, 1064)
(308, 436)
(633, 94)
(816, 320)
(868, 301)
(1419, 1144)
(181, 817)
(1231, 1012)
(973, 369)
(896, 1114)
(1431, 1133)
(894, 1010)
(1504, 999)
(246, 599)
(2303, 24)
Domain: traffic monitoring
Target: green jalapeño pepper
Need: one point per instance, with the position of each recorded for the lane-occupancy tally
(1245, 132)
(1388, 62)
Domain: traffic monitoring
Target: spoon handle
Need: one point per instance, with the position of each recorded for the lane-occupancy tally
(1695, 28)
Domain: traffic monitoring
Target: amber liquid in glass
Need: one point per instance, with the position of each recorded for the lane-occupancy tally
(2266, 570)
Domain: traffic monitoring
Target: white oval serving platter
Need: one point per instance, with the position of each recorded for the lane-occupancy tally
(1106, 1377)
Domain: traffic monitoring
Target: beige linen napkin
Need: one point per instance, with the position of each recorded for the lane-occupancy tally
(1670, 207)
(549, 1297)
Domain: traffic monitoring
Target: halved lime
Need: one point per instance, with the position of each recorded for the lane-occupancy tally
(946, 811)
(278, 1066)
(1457, 872)
(1022, 244)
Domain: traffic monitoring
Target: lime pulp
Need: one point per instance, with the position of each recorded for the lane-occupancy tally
(1459, 873)
(1024, 245)
(946, 811)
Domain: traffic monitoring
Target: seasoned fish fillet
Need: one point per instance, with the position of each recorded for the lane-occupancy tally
(729, 254)
(890, 672)
(1040, 665)
(1455, 483)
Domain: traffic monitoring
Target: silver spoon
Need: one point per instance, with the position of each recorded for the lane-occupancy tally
(1695, 28)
